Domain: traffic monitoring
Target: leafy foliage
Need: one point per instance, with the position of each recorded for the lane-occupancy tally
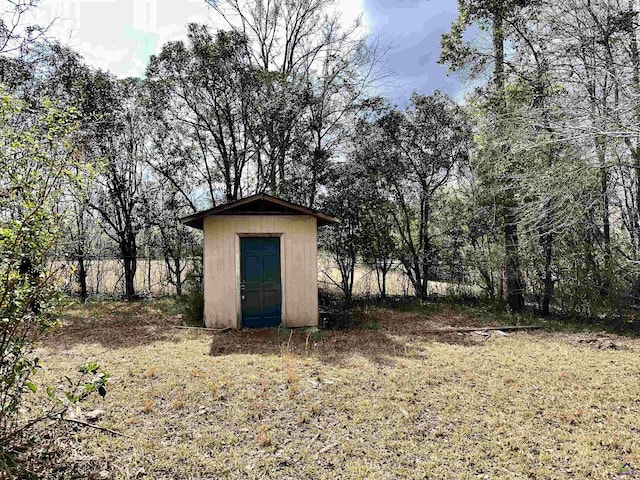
(34, 166)
(409, 157)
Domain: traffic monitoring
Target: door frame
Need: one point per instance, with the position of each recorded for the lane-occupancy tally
(283, 289)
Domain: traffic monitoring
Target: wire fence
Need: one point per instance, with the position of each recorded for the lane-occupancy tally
(105, 276)
(366, 283)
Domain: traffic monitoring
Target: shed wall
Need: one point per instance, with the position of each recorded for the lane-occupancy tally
(299, 267)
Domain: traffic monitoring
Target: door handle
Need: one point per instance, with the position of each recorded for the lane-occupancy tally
(243, 286)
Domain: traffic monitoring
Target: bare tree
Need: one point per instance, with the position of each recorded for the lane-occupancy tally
(413, 154)
(205, 91)
(320, 71)
(16, 37)
(120, 147)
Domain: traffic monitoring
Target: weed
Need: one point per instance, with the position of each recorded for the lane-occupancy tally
(283, 333)
(264, 438)
(285, 347)
(192, 308)
(292, 377)
(148, 405)
(315, 334)
(373, 324)
(366, 318)
(212, 386)
(179, 400)
(292, 390)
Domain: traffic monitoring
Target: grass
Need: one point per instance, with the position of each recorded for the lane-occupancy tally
(380, 402)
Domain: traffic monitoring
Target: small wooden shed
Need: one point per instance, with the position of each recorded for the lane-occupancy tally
(260, 263)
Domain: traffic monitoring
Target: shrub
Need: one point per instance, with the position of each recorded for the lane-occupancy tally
(333, 314)
(33, 173)
(192, 302)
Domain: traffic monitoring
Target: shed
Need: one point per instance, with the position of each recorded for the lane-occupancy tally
(260, 261)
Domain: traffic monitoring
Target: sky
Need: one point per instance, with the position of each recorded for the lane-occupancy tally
(413, 28)
(121, 35)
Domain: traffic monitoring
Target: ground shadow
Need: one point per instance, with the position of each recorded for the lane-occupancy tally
(115, 325)
(381, 333)
(390, 335)
(329, 346)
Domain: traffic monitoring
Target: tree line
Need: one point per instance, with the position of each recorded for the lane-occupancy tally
(528, 189)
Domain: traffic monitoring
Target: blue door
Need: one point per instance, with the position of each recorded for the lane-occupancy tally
(260, 286)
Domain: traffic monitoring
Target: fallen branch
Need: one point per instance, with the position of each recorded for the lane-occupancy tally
(327, 448)
(216, 330)
(483, 329)
(97, 427)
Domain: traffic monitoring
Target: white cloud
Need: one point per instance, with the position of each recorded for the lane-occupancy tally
(120, 35)
(351, 10)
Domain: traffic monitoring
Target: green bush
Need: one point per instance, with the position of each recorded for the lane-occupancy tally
(314, 333)
(191, 303)
(192, 308)
(34, 170)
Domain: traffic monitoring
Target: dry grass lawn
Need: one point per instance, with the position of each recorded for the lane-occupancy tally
(373, 403)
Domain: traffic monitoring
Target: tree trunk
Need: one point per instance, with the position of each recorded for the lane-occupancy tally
(315, 169)
(82, 274)
(416, 279)
(281, 174)
(426, 252)
(546, 235)
(176, 262)
(548, 280)
(228, 182)
(635, 151)
(273, 182)
(129, 276)
(636, 223)
(605, 284)
(129, 256)
(381, 278)
(515, 290)
(347, 286)
(488, 281)
(149, 271)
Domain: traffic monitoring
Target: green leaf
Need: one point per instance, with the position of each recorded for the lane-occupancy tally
(32, 386)
(51, 392)
(90, 367)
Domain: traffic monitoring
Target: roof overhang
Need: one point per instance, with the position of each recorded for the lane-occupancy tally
(261, 204)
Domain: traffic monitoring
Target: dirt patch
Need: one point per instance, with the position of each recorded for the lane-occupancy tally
(329, 346)
(598, 341)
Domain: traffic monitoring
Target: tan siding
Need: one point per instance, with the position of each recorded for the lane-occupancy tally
(299, 269)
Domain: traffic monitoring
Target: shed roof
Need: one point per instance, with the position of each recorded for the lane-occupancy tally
(261, 204)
